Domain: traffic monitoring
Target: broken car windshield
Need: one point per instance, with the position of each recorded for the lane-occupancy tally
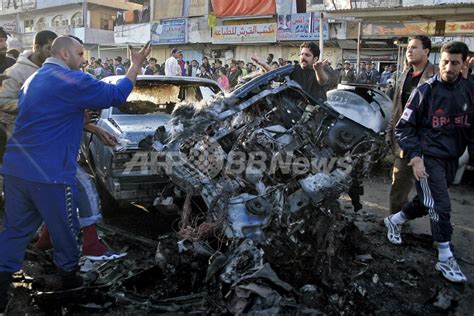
(162, 98)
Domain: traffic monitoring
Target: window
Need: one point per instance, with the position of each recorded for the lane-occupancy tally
(106, 21)
(57, 20)
(314, 2)
(76, 20)
(29, 26)
(40, 24)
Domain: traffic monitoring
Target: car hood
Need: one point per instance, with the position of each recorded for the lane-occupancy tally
(136, 127)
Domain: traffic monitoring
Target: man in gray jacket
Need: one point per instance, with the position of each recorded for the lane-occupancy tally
(28, 62)
(418, 71)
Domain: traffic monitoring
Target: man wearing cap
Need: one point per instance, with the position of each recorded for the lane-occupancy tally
(347, 74)
(172, 67)
(5, 61)
(374, 73)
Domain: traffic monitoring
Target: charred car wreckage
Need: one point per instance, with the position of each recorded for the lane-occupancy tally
(255, 177)
(267, 152)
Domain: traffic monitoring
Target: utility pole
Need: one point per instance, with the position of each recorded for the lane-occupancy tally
(18, 29)
(84, 19)
(321, 36)
(359, 34)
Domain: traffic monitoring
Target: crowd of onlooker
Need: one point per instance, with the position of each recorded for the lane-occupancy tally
(367, 74)
(228, 75)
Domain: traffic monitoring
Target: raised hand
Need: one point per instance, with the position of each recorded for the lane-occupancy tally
(138, 56)
(319, 64)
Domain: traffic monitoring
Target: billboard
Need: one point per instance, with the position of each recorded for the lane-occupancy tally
(135, 33)
(415, 28)
(172, 31)
(300, 27)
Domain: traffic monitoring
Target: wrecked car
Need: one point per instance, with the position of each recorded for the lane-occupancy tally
(282, 137)
(149, 106)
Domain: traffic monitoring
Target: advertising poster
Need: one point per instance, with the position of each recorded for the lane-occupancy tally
(300, 27)
(172, 31)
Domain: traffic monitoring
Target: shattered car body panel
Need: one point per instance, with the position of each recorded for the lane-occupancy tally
(148, 107)
(368, 107)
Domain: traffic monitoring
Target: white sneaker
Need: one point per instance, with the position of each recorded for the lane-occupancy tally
(108, 255)
(450, 270)
(393, 231)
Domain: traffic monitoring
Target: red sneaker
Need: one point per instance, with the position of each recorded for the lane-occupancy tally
(93, 249)
(44, 241)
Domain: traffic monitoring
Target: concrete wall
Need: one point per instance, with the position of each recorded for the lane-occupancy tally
(165, 9)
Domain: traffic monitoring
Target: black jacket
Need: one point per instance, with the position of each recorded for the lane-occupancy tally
(438, 120)
(308, 81)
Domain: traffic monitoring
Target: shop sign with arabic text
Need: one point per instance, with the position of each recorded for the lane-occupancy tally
(248, 33)
(172, 31)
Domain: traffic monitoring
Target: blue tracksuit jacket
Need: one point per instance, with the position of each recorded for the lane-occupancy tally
(45, 143)
(438, 120)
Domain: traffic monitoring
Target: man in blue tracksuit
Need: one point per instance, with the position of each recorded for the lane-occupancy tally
(433, 132)
(40, 159)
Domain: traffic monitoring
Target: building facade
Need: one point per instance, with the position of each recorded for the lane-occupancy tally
(92, 21)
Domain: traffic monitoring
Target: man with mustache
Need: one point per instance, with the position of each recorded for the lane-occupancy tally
(309, 73)
(433, 132)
